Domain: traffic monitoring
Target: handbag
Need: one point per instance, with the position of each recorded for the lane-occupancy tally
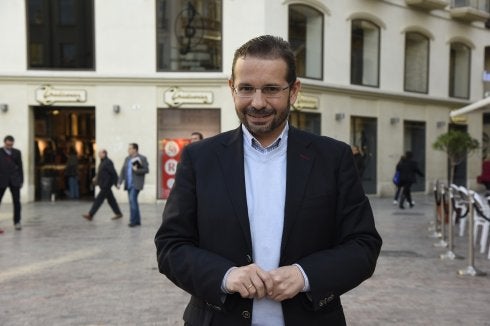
(396, 178)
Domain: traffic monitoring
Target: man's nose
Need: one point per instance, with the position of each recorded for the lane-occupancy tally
(258, 99)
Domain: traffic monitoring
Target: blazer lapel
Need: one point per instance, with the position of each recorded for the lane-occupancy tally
(230, 156)
(300, 160)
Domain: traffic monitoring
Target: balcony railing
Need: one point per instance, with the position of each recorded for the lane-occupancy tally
(428, 4)
(483, 5)
(470, 10)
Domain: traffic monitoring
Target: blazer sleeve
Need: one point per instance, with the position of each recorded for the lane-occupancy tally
(352, 258)
(195, 270)
(21, 167)
(144, 169)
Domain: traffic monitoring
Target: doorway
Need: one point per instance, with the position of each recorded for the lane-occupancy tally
(414, 141)
(56, 131)
(364, 135)
(307, 121)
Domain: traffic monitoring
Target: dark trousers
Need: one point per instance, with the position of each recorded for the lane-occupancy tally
(15, 191)
(105, 193)
(397, 193)
(406, 194)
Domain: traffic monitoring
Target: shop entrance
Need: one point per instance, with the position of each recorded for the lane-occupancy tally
(56, 131)
(364, 135)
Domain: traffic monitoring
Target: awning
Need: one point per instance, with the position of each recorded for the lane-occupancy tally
(472, 107)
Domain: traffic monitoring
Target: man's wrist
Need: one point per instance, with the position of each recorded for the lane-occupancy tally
(225, 278)
(306, 288)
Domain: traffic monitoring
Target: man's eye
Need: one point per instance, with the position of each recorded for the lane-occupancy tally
(246, 89)
(271, 89)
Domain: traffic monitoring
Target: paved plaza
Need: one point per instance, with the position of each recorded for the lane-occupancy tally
(63, 270)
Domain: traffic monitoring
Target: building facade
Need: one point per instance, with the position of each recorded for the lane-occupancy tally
(92, 74)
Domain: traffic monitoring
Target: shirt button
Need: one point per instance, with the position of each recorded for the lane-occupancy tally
(246, 314)
(330, 298)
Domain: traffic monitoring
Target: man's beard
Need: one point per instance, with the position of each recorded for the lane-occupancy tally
(258, 130)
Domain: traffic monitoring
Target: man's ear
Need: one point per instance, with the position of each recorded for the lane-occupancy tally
(295, 88)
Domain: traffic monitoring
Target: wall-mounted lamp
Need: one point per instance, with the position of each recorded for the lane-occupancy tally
(394, 120)
(440, 124)
(4, 107)
(116, 108)
(339, 116)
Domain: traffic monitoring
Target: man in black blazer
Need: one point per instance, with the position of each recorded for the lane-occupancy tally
(266, 224)
(106, 178)
(11, 175)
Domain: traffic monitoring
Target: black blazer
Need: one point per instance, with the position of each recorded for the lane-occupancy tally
(11, 171)
(106, 174)
(328, 228)
(408, 170)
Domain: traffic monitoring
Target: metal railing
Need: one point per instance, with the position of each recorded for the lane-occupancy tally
(483, 5)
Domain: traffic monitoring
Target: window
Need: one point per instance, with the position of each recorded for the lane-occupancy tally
(60, 34)
(365, 42)
(416, 62)
(306, 39)
(459, 70)
(189, 35)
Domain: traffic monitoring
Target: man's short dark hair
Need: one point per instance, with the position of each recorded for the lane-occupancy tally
(8, 138)
(134, 146)
(198, 134)
(268, 47)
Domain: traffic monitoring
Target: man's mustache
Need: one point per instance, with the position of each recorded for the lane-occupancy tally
(257, 113)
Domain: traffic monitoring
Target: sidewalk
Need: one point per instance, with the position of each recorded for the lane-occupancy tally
(63, 270)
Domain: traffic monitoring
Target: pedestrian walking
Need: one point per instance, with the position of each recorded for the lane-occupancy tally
(133, 175)
(358, 159)
(105, 178)
(266, 224)
(396, 182)
(408, 170)
(71, 173)
(11, 176)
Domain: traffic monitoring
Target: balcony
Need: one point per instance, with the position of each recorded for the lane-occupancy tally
(428, 4)
(470, 10)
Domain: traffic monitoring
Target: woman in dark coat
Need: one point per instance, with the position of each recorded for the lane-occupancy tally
(408, 169)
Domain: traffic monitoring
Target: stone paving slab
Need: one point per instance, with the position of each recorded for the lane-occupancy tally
(63, 270)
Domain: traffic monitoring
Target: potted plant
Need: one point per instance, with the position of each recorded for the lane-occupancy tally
(457, 145)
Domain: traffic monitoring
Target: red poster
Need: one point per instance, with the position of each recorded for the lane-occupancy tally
(171, 150)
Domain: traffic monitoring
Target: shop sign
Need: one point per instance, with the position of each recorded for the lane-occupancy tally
(175, 97)
(171, 150)
(48, 95)
(306, 102)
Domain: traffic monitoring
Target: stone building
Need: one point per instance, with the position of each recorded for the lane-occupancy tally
(381, 75)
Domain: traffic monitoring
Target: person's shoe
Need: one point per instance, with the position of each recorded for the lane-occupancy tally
(18, 227)
(117, 216)
(88, 217)
(401, 207)
(395, 202)
(132, 225)
(411, 205)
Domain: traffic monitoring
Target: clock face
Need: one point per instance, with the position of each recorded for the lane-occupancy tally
(188, 29)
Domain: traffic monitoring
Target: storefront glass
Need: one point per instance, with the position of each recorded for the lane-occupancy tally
(175, 127)
(189, 35)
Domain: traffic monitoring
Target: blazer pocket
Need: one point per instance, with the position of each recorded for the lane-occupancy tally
(197, 314)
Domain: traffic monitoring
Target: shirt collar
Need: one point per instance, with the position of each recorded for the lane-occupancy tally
(251, 141)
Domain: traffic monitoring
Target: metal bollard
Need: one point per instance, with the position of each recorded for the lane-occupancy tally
(471, 270)
(449, 254)
(435, 228)
(442, 243)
